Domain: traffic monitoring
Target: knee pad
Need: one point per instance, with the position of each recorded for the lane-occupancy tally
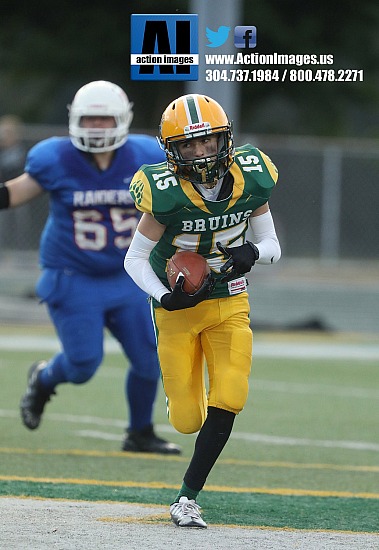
(81, 372)
(232, 392)
(186, 420)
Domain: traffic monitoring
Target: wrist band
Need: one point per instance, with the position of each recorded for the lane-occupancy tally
(4, 196)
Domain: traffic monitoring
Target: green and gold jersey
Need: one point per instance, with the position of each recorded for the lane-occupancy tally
(194, 223)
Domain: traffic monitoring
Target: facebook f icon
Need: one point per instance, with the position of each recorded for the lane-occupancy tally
(245, 37)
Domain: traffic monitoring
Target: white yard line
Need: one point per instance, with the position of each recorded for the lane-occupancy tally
(314, 350)
(261, 349)
(259, 438)
(253, 437)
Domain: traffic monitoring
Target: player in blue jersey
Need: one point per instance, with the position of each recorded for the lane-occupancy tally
(203, 199)
(91, 222)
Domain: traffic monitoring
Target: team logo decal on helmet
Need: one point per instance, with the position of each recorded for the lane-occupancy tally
(193, 116)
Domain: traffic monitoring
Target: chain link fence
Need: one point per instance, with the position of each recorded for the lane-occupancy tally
(327, 199)
(326, 213)
(326, 203)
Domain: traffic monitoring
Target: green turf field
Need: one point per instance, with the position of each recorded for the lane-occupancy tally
(303, 454)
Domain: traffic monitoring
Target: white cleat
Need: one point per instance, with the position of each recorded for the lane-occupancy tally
(186, 513)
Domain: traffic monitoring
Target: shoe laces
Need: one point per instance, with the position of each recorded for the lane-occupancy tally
(191, 508)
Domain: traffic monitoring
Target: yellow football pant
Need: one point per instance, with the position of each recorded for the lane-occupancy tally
(216, 332)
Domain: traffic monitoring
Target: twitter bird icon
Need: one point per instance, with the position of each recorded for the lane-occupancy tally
(217, 38)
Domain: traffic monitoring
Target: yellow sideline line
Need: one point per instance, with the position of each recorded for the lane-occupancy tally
(283, 491)
(165, 458)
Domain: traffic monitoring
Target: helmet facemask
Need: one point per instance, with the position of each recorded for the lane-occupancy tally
(100, 140)
(207, 170)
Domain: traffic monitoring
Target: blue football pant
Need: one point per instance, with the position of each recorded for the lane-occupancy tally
(81, 307)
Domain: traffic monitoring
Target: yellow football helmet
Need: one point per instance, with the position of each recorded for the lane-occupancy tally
(192, 116)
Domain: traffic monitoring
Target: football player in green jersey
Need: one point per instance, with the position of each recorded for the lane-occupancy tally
(203, 199)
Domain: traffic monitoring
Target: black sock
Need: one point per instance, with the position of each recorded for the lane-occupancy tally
(211, 440)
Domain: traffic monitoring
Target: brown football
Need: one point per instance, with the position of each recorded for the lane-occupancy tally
(192, 266)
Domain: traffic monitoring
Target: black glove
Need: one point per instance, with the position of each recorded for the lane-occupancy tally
(178, 299)
(240, 258)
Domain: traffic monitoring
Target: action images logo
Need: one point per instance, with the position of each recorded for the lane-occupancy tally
(164, 47)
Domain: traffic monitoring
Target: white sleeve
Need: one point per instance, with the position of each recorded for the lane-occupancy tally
(137, 265)
(265, 239)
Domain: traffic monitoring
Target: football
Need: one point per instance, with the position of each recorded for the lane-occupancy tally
(192, 266)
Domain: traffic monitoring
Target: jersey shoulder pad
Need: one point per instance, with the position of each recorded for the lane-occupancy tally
(42, 151)
(43, 158)
(158, 191)
(253, 161)
(142, 185)
(146, 148)
(271, 167)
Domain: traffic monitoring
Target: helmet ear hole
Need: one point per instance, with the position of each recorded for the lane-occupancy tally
(104, 99)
